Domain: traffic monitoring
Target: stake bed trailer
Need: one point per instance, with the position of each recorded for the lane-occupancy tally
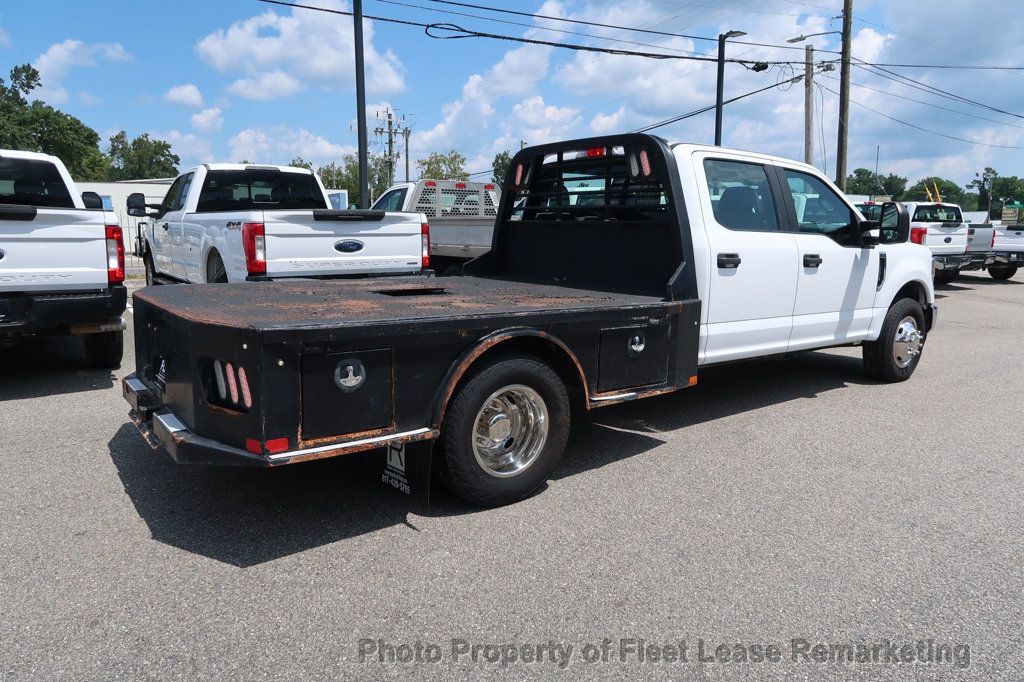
(601, 287)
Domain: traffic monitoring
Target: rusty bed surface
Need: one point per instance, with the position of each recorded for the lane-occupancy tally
(332, 303)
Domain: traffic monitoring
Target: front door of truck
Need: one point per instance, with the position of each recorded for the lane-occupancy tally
(837, 279)
(753, 260)
(162, 241)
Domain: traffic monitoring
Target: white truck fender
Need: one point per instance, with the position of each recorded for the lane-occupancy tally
(902, 270)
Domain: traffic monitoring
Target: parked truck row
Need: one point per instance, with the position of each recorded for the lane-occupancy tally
(617, 268)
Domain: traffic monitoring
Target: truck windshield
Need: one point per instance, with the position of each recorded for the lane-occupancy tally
(937, 214)
(30, 182)
(236, 190)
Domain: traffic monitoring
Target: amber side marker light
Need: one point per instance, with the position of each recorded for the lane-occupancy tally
(692, 381)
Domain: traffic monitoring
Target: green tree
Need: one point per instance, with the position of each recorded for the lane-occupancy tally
(450, 166)
(38, 127)
(863, 181)
(141, 158)
(346, 176)
(502, 160)
(893, 186)
(951, 192)
(1005, 190)
(300, 162)
(982, 182)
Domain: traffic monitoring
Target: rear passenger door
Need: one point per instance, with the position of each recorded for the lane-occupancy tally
(838, 277)
(753, 268)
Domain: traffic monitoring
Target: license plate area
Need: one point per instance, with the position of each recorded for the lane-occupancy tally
(347, 392)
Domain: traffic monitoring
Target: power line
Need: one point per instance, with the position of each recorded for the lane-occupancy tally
(927, 130)
(599, 24)
(460, 32)
(696, 112)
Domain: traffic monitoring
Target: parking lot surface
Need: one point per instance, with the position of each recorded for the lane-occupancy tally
(779, 501)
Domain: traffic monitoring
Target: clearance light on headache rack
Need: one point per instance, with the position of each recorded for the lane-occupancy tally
(488, 187)
(595, 152)
(430, 183)
(460, 185)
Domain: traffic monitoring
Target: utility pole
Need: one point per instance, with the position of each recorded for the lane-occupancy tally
(406, 132)
(844, 95)
(809, 105)
(364, 179)
(392, 129)
(722, 37)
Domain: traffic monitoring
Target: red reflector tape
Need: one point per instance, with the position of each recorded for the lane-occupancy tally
(277, 445)
(254, 446)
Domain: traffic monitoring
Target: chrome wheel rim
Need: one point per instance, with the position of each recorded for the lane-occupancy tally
(510, 431)
(908, 342)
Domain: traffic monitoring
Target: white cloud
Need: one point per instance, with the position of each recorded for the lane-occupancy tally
(537, 122)
(186, 95)
(5, 38)
(87, 98)
(307, 46)
(280, 144)
(604, 124)
(265, 86)
(54, 64)
(208, 120)
(191, 148)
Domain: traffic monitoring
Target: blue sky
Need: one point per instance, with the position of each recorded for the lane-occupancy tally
(229, 79)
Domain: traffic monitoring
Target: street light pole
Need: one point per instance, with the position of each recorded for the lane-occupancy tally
(722, 37)
(364, 180)
(809, 105)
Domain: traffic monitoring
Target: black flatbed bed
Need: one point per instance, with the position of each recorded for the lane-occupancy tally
(309, 304)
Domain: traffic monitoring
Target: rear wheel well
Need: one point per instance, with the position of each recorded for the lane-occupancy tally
(209, 259)
(545, 350)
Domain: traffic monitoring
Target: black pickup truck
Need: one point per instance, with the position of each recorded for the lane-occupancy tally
(588, 297)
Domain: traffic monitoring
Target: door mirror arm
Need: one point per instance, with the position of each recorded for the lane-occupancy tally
(867, 239)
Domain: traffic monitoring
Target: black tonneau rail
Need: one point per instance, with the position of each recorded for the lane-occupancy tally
(18, 212)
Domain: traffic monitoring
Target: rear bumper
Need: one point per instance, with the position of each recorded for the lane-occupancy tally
(162, 428)
(77, 313)
(951, 262)
(982, 260)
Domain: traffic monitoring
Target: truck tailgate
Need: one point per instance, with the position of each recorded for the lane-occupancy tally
(1009, 238)
(304, 243)
(944, 238)
(979, 238)
(51, 249)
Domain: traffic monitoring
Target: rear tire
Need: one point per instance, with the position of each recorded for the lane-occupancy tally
(944, 277)
(894, 356)
(1001, 272)
(104, 350)
(505, 431)
(216, 273)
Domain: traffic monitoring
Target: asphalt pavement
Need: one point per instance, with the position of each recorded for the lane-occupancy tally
(780, 505)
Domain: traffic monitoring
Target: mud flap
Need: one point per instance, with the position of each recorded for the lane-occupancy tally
(407, 468)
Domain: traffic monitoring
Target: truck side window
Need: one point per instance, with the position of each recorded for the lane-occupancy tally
(183, 195)
(170, 202)
(740, 195)
(819, 210)
(392, 201)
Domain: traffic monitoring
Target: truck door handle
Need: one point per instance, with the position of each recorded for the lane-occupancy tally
(729, 261)
(164, 225)
(812, 260)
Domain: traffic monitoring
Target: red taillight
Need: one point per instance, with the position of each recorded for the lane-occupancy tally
(488, 187)
(425, 244)
(595, 151)
(254, 446)
(917, 234)
(243, 385)
(229, 370)
(276, 445)
(254, 243)
(645, 162)
(519, 174)
(460, 185)
(115, 254)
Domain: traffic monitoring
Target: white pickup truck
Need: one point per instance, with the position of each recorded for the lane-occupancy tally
(234, 223)
(999, 249)
(61, 262)
(941, 227)
(461, 216)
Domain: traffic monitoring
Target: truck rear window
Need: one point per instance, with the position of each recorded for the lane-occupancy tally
(237, 190)
(937, 214)
(588, 185)
(30, 182)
